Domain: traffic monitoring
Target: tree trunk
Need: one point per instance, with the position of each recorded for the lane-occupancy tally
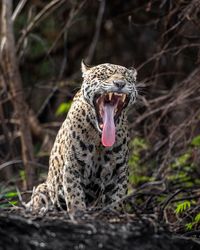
(11, 70)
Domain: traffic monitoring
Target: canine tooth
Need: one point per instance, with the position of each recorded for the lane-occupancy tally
(110, 96)
(123, 97)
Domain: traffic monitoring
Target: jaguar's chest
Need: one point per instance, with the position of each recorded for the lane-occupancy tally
(98, 173)
(99, 166)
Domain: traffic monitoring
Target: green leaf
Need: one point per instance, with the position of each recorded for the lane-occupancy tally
(196, 141)
(139, 143)
(197, 218)
(11, 194)
(22, 174)
(63, 108)
(181, 160)
(189, 226)
(13, 202)
(183, 206)
(138, 179)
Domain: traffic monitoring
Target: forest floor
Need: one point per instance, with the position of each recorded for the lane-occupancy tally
(54, 230)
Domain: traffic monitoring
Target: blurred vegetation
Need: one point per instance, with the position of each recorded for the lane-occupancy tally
(162, 40)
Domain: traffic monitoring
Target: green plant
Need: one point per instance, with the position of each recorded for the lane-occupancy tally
(8, 199)
(182, 171)
(196, 141)
(22, 175)
(137, 171)
(182, 207)
(181, 160)
(63, 108)
(189, 226)
(10, 194)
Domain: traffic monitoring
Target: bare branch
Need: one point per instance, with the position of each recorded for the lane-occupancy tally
(14, 80)
(44, 13)
(97, 31)
(18, 9)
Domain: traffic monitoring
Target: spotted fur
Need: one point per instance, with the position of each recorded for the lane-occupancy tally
(82, 172)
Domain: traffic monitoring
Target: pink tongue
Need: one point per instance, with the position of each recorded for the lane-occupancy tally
(108, 134)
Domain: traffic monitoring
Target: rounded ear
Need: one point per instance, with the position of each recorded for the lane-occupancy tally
(134, 72)
(84, 66)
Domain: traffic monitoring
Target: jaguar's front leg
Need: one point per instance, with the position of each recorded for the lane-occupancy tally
(117, 195)
(40, 200)
(73, 189)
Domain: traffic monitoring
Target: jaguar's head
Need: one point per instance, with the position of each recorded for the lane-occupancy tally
(109, 89)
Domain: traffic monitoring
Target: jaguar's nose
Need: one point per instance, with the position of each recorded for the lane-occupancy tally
(119, 83)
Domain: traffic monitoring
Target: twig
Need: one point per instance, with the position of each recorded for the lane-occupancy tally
(44, 13)
(9, 163)
(97, 31)
(162, 52)
(18, 9)
(73, 13)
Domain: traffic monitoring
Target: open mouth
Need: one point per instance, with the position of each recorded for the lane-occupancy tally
(108, 108)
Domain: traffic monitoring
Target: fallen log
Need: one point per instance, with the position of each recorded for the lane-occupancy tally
(56, 231)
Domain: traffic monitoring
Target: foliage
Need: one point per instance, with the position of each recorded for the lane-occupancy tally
(8, 199)
(137, 171)
(183, 206)
(196, 141)
(181, 171)
(189, 226)
(181, 160)
(63, 108)
(22, 175)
